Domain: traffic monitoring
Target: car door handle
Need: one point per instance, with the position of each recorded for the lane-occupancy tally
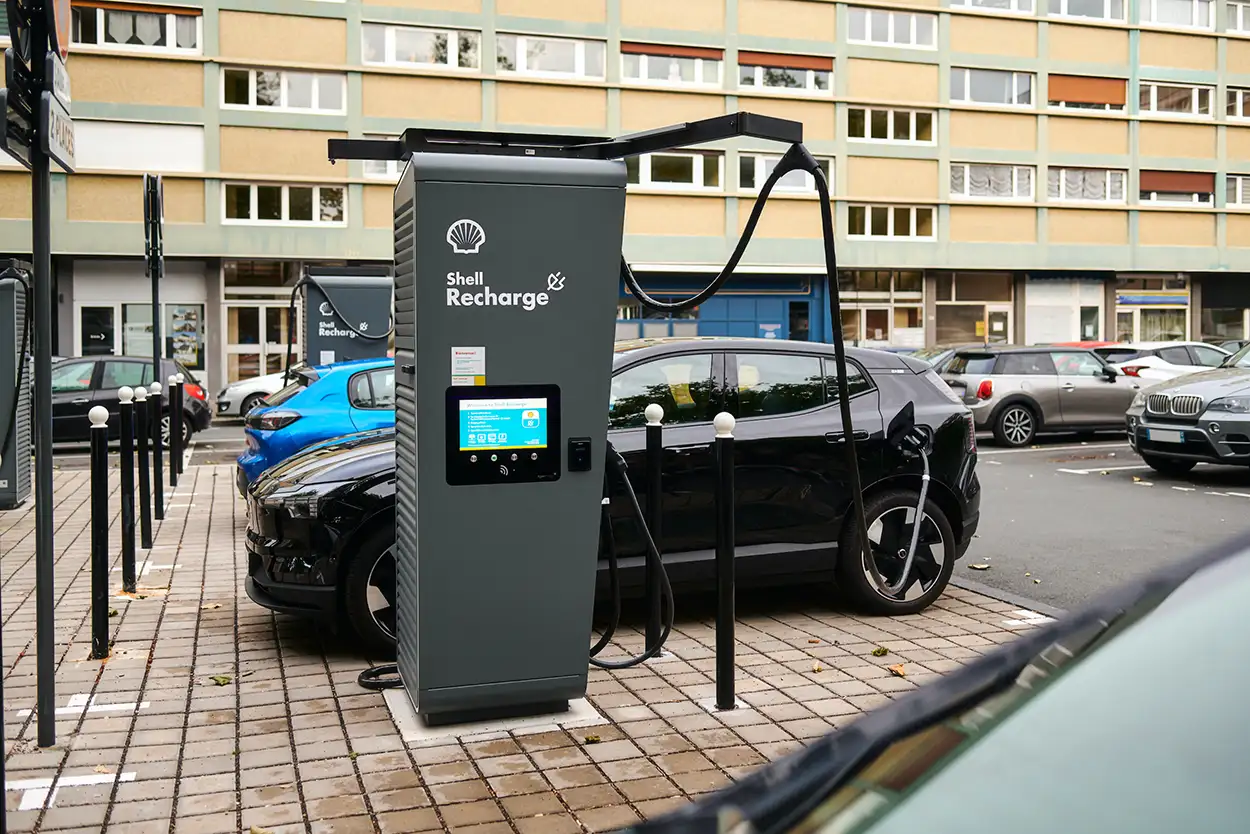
(1068, 386)
(839, 436)
(82, 401)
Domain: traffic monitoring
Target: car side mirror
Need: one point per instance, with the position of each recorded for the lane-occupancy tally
(1110, 373)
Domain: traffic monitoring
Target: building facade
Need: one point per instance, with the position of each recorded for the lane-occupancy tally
(1006, 170)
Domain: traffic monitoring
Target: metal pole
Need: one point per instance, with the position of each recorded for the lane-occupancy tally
(41, 246)
(99, 416)
(145, 474)
(126, 455)
(175, 432)
(655, 504)
(155, 406)
(179, 402)
(724, 424)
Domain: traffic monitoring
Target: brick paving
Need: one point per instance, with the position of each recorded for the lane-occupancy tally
(253, 721)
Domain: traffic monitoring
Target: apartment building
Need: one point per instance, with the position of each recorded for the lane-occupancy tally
(1006, 170)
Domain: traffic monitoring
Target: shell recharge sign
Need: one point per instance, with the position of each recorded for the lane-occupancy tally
(466, 238)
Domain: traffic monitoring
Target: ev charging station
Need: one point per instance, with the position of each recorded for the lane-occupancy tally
(15, 386)
(507, 263)
(347, 313)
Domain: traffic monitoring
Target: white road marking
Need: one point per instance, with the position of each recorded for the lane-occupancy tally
(1240, 494)
(1143, 483)
(992, 462)
(147, 567)
(38, 794)
(1028, 618)
(1079, 448)
(80, 703)
(1221, 494)
(1184, 489)
(1103, 469)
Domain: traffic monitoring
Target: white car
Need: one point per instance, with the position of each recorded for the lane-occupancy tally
(1157, 361)
(238, 398)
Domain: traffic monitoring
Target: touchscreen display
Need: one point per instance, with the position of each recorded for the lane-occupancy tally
(508, 423)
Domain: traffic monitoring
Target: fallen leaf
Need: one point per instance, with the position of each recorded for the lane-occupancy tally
(102, 769)
(979, 567)
(210, 606)
(112, 612)
(1037, 582)
(816, 667)
(220, 680)
(1104, 472)
(813, 640)
(352, 755)
(256, 829)
(1136, 479)
(880, 651)
(1026, 573)
(897, 671)
(592, 739)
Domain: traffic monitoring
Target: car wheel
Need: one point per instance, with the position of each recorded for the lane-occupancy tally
(186, 432)
(891, 516)
(249, 403)
(369, 592)
(1169, 466)
(1016, 425)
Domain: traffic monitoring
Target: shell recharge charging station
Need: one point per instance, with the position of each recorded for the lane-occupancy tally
(507, 263)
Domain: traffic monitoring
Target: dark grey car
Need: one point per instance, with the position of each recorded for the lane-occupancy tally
(1198, 417)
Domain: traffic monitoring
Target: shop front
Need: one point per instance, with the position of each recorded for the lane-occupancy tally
(972, 307)
(1065, 307)
(1225, 302)
(882, 308)
(1151, 307)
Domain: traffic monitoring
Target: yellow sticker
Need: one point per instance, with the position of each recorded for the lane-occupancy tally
(679, 384)
(980, 328)
(748, 376)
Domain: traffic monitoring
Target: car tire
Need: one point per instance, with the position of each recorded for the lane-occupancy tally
(1015, 425)
(186, 431)
(368, 612)
(887, 514)
(249, 402)
(1169, 466)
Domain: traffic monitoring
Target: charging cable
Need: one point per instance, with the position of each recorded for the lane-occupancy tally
(290, 319)
(7, 435)
(918, 441)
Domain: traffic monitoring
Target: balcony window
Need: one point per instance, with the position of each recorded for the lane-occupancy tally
(129, 29)
(985, 86)
(550, 57)
(413, 46)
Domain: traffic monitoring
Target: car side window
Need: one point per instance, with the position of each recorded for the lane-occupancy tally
(681, 385)
(1076, 363)
(360, 391)
(1208, 357)
(75, 376)
(1025, 364)
(1175, 356)
(777, 383)
(117, 374)
(856, 381)
(383, 382)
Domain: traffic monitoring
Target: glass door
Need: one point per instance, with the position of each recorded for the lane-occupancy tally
(256, 335)
(277, 330)
(998, 327)
(1152, 324)
(97, 330)
(876, 326)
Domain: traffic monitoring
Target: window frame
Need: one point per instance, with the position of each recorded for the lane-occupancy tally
(733, 389)
(1152, 198)
(892, 209)
(760, 161)
(912, 119)
(579, 56)
(1015, 182)
(1106, 190)
(1195, 89)
(1107, 11)
(700, 67)
(972, 4)
(809, 87)
(1016, 76)
(1239, 186)
(393, 167)
(1237, 99)
(1237, 17)
(253, 192)
(388, 46)
(717, 377)
(1149, 9)
(700, 160)
(1080, 105)
(283, 91)
(170, 26)
(892, 16)
(373, 391)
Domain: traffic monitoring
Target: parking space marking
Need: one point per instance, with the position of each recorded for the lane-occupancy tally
(1028, 618)
(1076, 448)
(1185, 489)
(147, 567)
(1103, 469)
(38, 794)
(1240, 494)
(78, 704)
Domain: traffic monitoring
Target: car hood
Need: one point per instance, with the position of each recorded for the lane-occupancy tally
(1217, 382)
(342, 459)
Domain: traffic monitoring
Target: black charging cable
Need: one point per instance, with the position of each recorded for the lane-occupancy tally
(27, 320)
(290, 323)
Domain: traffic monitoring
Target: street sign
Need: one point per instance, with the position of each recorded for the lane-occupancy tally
(58, 25)
(57, 131)
(16, 135)
(19, 28)
(56, 78)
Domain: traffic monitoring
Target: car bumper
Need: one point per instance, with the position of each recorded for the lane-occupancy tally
(201, 415)
(982, 413)
(227, 408)
(283, 571)
(1222, 439)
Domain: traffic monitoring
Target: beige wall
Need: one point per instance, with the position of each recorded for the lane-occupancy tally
(817, 118)
(993, 224)
(114, 199)
(970, 129)
(552, 105)
(782, 18)
(275, 152)
(993, 37)
(137, 81)
(379, 206)
(893, 179)
(697, 15)
(892, 81)
(783, 218)
(648, 215)
(15, 195)
(640, 111)
(1088, 43)
(440, 5)
(184, 200)
(1237, 140)
(1173, 140)
(405, 96)
(1076, 135)
(1087, 226)
(1238, 231)
(279, 37)
(1237, 58)
(590, 11)
(1177, 51)
(1175, 228)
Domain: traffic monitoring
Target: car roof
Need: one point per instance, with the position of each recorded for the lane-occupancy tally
(997, 349)
(629, 349)
(1157, 345)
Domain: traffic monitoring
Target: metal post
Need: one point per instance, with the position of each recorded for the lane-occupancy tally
(179, 402)
(155, 406)
(145, 474)
(655, 503)
(126, 454)
(99, 416)
(175, 431)
(724, 424)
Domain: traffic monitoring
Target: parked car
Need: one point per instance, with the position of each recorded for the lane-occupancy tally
(238, 398)
(1020, 392)
(321, 402)
(1088, 725)
(1087, 344)
(1231, 345)
(939, 355)
(79, 383)
(1205, 416)
(321, 525)
(1156, 361)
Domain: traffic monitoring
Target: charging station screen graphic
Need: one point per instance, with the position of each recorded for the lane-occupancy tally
(517, 423)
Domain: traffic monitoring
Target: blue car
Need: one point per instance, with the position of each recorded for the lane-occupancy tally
(320, 403)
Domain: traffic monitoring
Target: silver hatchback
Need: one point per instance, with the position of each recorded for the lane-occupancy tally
(1019, 392)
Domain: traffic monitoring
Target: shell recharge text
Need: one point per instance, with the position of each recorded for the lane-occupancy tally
(485, 296)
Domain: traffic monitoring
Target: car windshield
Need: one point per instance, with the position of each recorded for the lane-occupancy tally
(1240, 359)
(281, 396)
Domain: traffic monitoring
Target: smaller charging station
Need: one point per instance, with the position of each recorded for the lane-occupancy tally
(347, 313)
(15, 385)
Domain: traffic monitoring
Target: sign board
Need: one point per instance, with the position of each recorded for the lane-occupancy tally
(58, 26)
(19, 28)
(57, 131)
(15, 137)
(56, 79)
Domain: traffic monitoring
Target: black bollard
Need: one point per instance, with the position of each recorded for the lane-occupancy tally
(655, 502)
(126, 461)
(156, 405)
(724, 424)
(145, 474)
(99, 416)
(180, 402)
(175, 431)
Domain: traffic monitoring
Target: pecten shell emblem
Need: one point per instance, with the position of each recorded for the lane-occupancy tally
(466, 237)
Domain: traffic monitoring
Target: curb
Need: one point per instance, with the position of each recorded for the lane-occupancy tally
(1007, 596)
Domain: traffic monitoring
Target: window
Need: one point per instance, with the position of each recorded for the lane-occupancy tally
(1198, 14)
(284, 90)
(1193, 197)
(1238, 17)
(984, 86)
(292, 204)
(993, 182)
(1177, 100)
(1207, 356)
(679, 65)
(1085, 184)
(1238, 103)
(1076, 363)
(530, 55)
(876, 125)
(1174, 355)
(1099, 9)
(1091, 323)
(856, 382)
(971, 364)
(133, 374)
(372, 389)
(890, 221)
(74, 376)
(1237, 189)
(1009, 6)
(685, 171)
(1080, 92)
(770, 384)
(788, 72)
(681, 385)
(383, 169)
(1193, 187)
(1025, 364)
(881, 26)
(754, 169)
(152, 30)
(410, 46)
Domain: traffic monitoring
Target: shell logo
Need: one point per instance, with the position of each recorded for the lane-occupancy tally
(466, 237)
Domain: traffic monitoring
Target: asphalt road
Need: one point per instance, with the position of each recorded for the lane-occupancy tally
(1064, 521)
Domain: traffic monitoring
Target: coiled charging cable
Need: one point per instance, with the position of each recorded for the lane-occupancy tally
(290, 323)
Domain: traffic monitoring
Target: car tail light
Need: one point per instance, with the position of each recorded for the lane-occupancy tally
(272, 420)
(194, 390)
(1131, 370)
(985, 390)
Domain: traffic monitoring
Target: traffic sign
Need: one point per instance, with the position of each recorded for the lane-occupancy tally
(58, 25)
(56, 78)
(19, 28)
(57, 131)
(16, 136)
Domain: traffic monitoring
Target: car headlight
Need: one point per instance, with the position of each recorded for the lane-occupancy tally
(301, 502)
(1139, 400)
(1230, 405)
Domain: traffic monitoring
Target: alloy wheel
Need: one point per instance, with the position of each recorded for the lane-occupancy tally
(380, 592)
(1017, 425)
(889, 536)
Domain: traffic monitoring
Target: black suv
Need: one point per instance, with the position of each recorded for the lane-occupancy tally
(82, 382)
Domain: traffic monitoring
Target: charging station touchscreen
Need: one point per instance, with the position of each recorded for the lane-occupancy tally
(508, 423)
